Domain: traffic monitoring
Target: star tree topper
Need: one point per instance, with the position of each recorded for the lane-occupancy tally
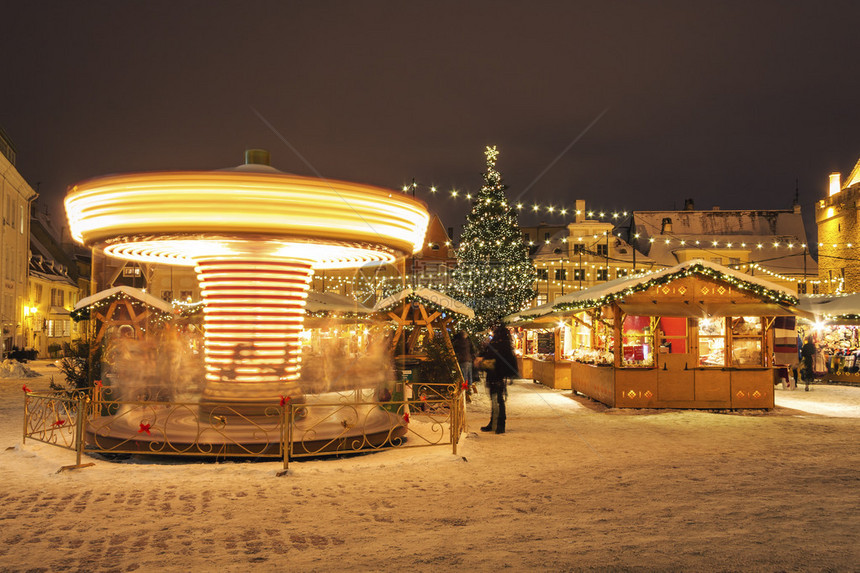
(492, 153)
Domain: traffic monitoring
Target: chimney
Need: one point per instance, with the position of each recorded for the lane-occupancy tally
(835, 183)
(688, 205)
(715, 208)
(579, 211)
(666, 228)
(257, 157)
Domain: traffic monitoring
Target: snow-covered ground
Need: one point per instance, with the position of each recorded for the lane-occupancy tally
(570, 486)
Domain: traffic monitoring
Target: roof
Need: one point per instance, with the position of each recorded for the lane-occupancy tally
(747, 227)
(332, 302)
(616, 289)
(128, 291)
(835, 306)
(428, 295)
(44, 267)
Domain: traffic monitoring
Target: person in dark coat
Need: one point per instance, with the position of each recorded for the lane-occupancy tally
(501, 351)
(465, 351)
(807, 355)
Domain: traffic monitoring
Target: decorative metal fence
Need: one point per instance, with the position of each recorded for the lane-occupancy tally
(349, 423)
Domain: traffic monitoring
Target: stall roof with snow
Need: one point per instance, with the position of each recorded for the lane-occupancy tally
(426, 295)
(715, 291)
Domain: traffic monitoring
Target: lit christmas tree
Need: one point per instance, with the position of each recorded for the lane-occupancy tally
(494, 274)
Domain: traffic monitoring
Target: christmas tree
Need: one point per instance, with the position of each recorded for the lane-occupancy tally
(494, 274)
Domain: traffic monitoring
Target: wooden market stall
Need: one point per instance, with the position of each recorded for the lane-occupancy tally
(343, 348)
(421, 316)
(542, 343)
(697, 335)
(121, 308)
(834, 323)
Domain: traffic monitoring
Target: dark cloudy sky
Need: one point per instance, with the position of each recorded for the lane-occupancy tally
(727, 103)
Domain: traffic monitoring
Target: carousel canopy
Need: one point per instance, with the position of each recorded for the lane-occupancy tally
(427, 295)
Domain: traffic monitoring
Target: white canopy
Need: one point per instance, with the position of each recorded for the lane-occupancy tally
(332, 302)
(830, 305)
(429, 295)
(130, 292)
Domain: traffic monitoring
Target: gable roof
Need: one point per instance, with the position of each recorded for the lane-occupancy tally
(333, 302)
(426, 294)
(617, 289)
(130, 292)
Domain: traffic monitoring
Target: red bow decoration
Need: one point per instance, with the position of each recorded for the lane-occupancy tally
(423, 398)
(406, 417)
(285, 399)
(145, 428)
(99, 383)
(464, 386)
(25, 389)
(58, 423)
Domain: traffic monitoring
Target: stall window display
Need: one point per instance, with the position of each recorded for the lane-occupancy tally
(712, 342)
(637, 341)
(746, 341)
(838, 348)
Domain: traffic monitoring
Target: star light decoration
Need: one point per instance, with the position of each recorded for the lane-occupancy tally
(492, 153)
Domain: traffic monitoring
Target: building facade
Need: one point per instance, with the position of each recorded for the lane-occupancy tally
(838, 220)
(769, 243)
(16, 195)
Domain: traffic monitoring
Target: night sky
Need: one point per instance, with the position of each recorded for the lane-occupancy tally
(628, 105)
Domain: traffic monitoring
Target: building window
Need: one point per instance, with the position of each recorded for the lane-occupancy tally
(718, 260)
(561, 274)
(603, 274)
(57, 297)
(543, 274)
(579, 274)
(185, 295)
(602, 250)
(58, 328)
(734, 261)
(546, 236)
(167, 295)
(579, 249)
(801, 288)
(541, 299)
(621, 273)
(131, 272)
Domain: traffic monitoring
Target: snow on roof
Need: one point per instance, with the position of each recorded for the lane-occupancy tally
(428, 295)
(830, 305)
(739, 227)
(130, 292)
(332, 302)
(590, 297)
(853, 177)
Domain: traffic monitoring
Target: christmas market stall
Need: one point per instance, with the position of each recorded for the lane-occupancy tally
(834, 324)
(697, 335)
(539, 340)
(421, 343)
(342, 346)
(134, 333)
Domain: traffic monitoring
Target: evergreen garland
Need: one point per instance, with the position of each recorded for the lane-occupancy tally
(494, 275)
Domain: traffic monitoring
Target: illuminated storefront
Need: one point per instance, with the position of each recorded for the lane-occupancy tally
(697, 335)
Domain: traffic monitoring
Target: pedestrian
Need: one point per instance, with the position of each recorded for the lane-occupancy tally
(465, 351)
(807, 355)
(500, 363)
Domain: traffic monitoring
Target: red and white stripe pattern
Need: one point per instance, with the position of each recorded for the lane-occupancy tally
(253, 316)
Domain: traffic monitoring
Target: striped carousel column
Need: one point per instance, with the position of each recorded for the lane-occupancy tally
(254, 311)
